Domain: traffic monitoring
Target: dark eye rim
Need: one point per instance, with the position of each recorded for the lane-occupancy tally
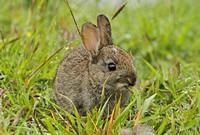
(111, 66)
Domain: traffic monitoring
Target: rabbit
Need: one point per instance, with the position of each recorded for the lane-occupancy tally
(88, 68)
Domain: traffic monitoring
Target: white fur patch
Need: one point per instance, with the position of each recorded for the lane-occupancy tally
(115, 49)
(121, 85)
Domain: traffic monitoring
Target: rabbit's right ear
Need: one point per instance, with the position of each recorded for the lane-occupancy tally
(91, 37)
(104, 26)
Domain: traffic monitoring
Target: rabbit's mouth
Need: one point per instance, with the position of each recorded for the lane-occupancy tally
(121, 82)
(122, 86)
(125, 82)
(117, 86)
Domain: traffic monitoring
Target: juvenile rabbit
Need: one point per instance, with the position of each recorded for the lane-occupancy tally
(82, 73)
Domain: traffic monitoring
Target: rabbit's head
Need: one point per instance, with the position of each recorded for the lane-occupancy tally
(107, 62)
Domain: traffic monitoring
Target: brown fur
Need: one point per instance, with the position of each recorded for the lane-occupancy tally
(82, 73)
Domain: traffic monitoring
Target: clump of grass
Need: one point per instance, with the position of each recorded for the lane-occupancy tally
(158, 35)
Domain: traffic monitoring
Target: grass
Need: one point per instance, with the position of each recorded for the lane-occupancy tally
(163, 37)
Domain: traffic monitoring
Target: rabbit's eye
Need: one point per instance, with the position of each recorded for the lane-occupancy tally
(111, 66)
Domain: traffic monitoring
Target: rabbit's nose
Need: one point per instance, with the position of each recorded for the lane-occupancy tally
(132, 80)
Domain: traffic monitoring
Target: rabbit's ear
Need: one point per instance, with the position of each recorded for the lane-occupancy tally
(105, 30)
(91, 37)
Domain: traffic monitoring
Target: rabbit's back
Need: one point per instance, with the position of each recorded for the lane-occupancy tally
(70, 77)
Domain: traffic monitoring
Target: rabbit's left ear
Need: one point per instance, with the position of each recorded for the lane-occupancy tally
(91, 37)
(105, 30)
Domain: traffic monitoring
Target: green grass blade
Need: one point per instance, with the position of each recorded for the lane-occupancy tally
(162, 126)
(58, 125)
(173, 125)
(124, 113)
(170, 105)
(49, 126)
(151, 67)
(101, 113)
(146, 104)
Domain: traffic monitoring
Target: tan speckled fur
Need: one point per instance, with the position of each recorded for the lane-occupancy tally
(82, 73)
